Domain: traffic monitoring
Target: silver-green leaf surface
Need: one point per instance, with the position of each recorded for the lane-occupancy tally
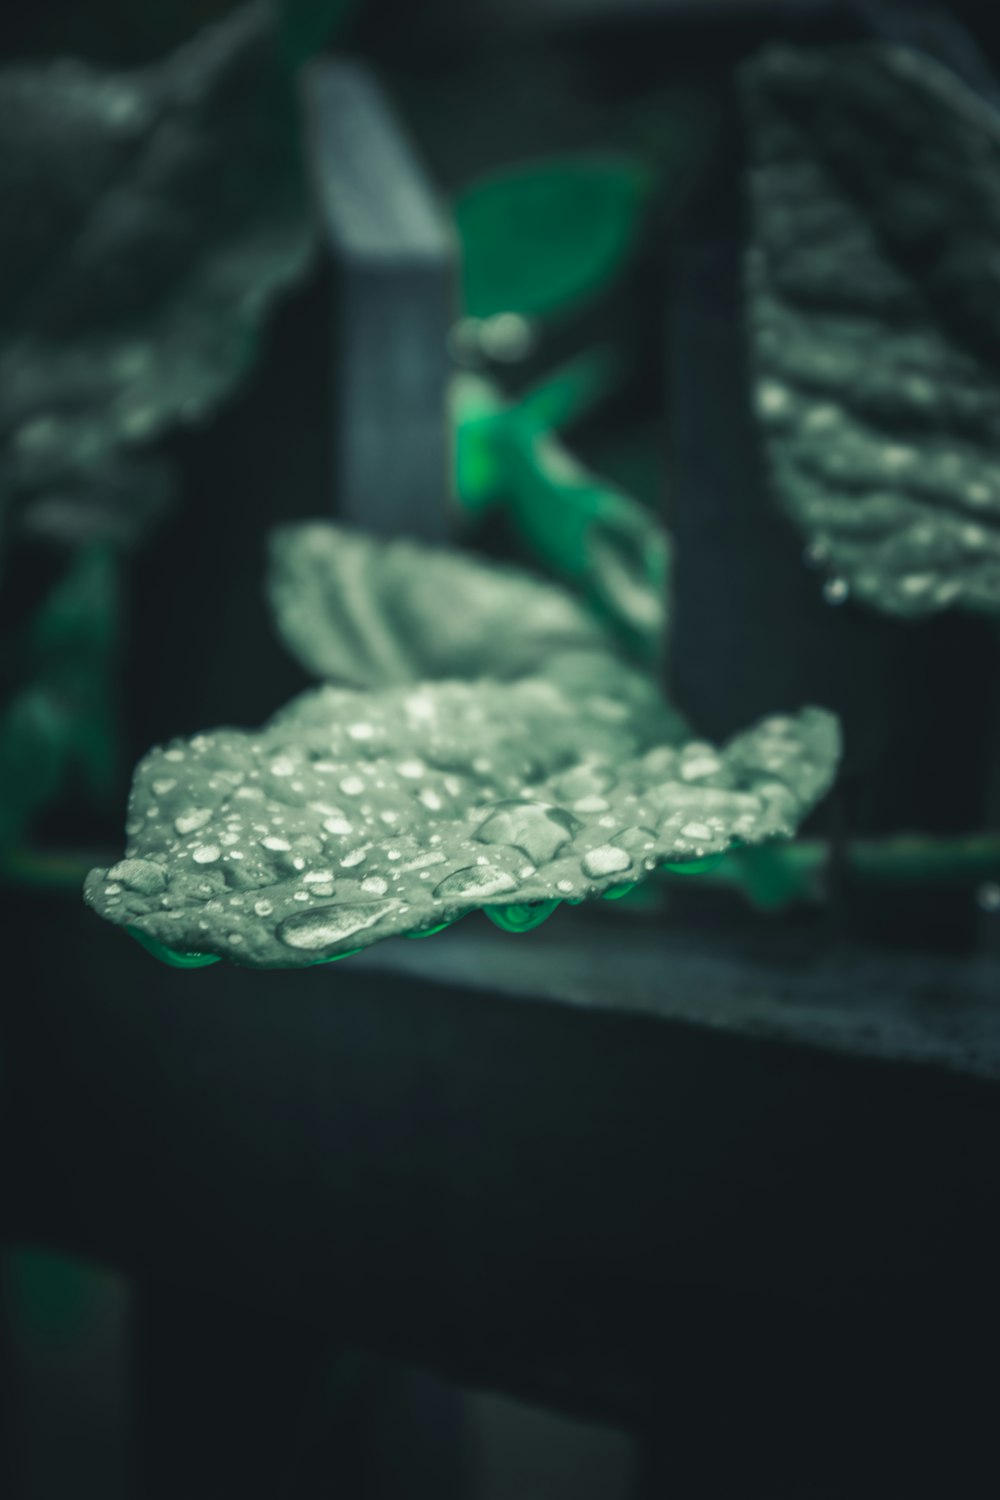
(356, 815)
(874, 319)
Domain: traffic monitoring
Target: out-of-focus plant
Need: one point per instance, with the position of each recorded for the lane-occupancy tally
(544, 239)
(151, 218)
(584, 528)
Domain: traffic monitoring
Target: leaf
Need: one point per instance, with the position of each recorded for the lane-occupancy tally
(583, 528)
(150, 218)
(356, 610)
(358, 815)
(543, 239)
(874, 319)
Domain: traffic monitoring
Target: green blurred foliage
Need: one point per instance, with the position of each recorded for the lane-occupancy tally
(582, 527)
(60, 725)
(546, 238)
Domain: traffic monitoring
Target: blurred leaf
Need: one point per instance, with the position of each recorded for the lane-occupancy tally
(357, 610)
(545, 238)
(583, 528)
(357, 815)
(875, 321)
(309, 25)
(150, 218)
(62, 721)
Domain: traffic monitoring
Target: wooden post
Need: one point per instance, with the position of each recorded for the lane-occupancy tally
(393, 257)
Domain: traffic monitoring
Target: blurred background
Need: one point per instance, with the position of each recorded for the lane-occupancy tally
(547, 365)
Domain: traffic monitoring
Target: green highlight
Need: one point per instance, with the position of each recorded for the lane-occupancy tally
(428, 931)
(521, 917)
(620, 891)
(171, 956)
(697, 866)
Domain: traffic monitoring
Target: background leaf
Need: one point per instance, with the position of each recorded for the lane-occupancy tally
(150, 217)
(545, 238)
(357, 610)
(874, 319)
(583, 528)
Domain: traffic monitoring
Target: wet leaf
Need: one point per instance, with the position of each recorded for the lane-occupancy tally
(150, 218)
(357, 610)
(875, 320)
(545, 238)
(358, 815)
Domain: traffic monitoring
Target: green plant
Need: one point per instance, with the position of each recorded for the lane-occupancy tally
(492, 752)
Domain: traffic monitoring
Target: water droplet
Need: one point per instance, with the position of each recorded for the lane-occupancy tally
(263, 908)
(988, 896)
(538, 830)
(836, 590)
(193, 819)
(592, 804)
(772, 399)
(605, 860)
(206, 854)
(163, 786)
(375, 885)
(816, 555)
(325, 926)
(476, 881)
(421, 861)
(338, 825)
(698, 766)
(278, 845)
(138, 875)
(505, 337)
(282, 766)
(430, 799)
(353, 858)
(696, 831)
(360, 731)
(411, 768)
(352, 786)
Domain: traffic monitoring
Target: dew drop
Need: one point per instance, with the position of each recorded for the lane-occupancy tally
(836, 590)
(605, 860)
(138, 875)
(325, 926)
(338, 825)
(988, 896)
(206, 854)
(476, 881)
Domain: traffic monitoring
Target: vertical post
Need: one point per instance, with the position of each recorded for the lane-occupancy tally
(394, 259)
